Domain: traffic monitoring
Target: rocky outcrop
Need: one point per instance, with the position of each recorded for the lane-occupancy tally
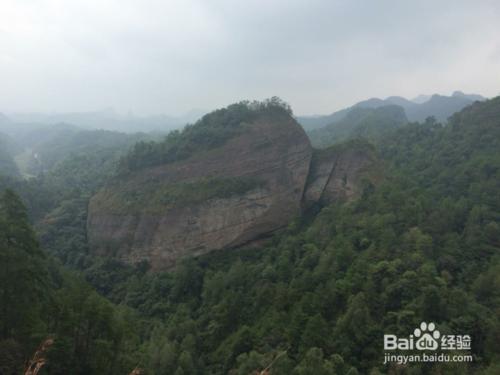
(339, 173)
(265, 169)
(249, 186)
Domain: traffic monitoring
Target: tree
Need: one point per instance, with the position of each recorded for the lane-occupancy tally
(317, 333)
(23, 272)
(314, 363)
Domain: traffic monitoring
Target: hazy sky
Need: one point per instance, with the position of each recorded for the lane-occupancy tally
(161, 56)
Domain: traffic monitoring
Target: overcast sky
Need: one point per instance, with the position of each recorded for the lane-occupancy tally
(161, 56)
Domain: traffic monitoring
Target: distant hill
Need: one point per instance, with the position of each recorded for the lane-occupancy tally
(52, 144)
(8, 149)
(108, 119)
(474, 97)
(360, 122)
(316, 122)
(36, 148)
(439, 106)
(422, 98)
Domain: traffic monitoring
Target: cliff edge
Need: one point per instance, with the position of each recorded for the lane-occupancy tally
(223, 196)
(236, 175)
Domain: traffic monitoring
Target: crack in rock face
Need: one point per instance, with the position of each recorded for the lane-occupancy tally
(253, 184)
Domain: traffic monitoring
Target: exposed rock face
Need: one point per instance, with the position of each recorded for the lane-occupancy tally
(275, 155)
(253, 184)
(337, 173)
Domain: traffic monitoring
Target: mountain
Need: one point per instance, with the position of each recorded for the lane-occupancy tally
(318, 121)
(315, 122)
(421, 245)
(8, 150)
(108, 119)
(39, 147)
(422, 98)
(438, 106)
(340, 173)
(52, 144)
(398, 100)
(246, 182)
(386, 236)
(360, 122)
(473, 97)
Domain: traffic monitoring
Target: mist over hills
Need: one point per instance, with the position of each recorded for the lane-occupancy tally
(31, 149)
(31, 143)
(360, 122)
(7, 149)
(106, 119)
(418, 109)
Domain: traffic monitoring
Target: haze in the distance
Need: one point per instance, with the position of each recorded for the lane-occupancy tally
(154, 56)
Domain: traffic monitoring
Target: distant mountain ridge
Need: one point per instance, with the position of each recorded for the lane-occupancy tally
(8, 149)
(106, 119)
(360, 122)
(439, 106)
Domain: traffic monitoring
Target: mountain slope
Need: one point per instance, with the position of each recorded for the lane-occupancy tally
(8, 149)
(421, 246)
(438, 106)
(317, 297)
(107, 119)
(236, 175)
(368, 123)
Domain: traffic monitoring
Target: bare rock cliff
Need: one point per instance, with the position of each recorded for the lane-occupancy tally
(224, 196)
(251, 185)
(340, 173)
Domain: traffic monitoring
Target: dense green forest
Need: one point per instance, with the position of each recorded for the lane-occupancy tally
(8, 149)
(369, 123)
(41, 301)
(210, 131)
(314, 299)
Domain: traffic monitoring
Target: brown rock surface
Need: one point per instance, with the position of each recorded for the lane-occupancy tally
(337, 173)
(275, 153)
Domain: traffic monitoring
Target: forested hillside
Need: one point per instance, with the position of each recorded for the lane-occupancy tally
(316, 298)
(422, 246)
(212, 130)
(41, 302)
(8, 150)
(438, 106)
(63, 165)
(369, 123)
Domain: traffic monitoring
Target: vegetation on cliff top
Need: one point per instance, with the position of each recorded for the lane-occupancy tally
(212, 130)
(352, 146)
